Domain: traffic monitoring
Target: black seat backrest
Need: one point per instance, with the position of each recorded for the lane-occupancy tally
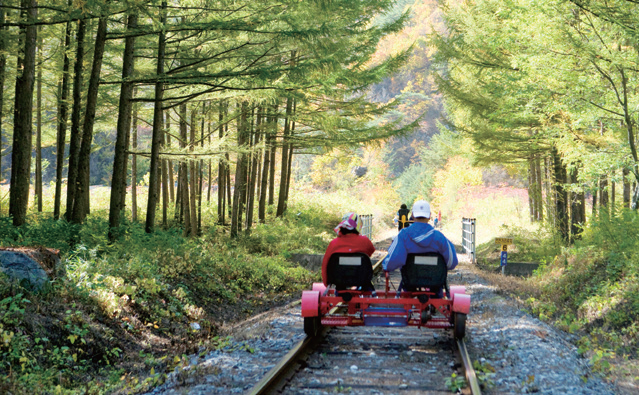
(424, 270)
(349, 270)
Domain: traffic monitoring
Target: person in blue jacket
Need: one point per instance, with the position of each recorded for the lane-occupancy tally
(417, 238)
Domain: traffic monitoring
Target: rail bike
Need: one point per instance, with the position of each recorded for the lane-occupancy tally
(423, 298)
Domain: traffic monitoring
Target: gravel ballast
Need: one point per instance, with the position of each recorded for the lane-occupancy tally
(527, 355)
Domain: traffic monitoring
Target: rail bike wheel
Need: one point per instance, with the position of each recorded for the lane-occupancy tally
(312, 326)
(459, 325)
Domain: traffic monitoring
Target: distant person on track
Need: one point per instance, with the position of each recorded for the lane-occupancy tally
(420, 237)
(402, 214)
(348, 240)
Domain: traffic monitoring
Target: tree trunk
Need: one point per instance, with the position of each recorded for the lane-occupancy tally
(184, 198)
(281, 199)
(538, 190)
(531, 192)
(62, 124)
(271, 172)
(595, 193)
(169, 162)
(201, 173)
(229, 196)
(118, 180)
(613, 193)
(23, 108)
(177, 215)
(38, 159)
(582, 197)
(258, 181)
(250, 201)
(290, 160)
(561, 196)
(221, 173)
(249, 165)
(210, 178)
(81, 204)
(271, 177)
(240, 174)
(157, 126)
(76, 136)
(603, 188)
(183, 188)
(126, 163)
(626, 187)
(200, 179)
(550, 208)
(634, 203)
(268, 142)
(288, 175)
(134, 160)
(629, 123)
(535, 170)
(577, 210)
(3, 63)
(193, 178)
(165, 183)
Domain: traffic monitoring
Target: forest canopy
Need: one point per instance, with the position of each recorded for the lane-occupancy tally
(547, 81)
(194, 84)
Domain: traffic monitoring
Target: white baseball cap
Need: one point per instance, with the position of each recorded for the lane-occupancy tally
(421, 209)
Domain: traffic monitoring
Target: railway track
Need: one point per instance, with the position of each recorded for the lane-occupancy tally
(371, 360)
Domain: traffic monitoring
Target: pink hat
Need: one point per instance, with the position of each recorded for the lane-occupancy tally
(350, 221)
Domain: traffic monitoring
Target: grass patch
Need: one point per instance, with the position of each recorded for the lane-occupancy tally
(126, 309)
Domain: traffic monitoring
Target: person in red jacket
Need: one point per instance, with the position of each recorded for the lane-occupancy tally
(348, 240)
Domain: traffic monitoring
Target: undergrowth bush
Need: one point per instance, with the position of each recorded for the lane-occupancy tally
(160, 282)
(76, 335)
(593, 287)
(532, 244)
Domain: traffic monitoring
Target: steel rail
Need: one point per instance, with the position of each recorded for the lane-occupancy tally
(280, 374)
(284, 370)
(471, 377)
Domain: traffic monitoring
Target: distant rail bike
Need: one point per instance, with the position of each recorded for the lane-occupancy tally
(423, 298)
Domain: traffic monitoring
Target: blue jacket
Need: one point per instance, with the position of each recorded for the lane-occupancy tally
(419, 237)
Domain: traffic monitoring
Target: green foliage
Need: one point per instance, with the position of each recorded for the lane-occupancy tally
(418, 180)
(516, 92)
(267, 238)
(37, 357)
(14, 342)
(485, 373)
(41, 231)
(544, 310)
(414, 182)
(591, 288)
(412, 85)
(531, 244)
(456, 383)
(156, 282)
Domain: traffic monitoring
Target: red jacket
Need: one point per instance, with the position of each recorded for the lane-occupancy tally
(346, 243)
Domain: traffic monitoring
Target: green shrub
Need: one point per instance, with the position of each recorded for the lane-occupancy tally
(593, 286)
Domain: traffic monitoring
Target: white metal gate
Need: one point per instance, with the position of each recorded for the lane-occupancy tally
(468, 238)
